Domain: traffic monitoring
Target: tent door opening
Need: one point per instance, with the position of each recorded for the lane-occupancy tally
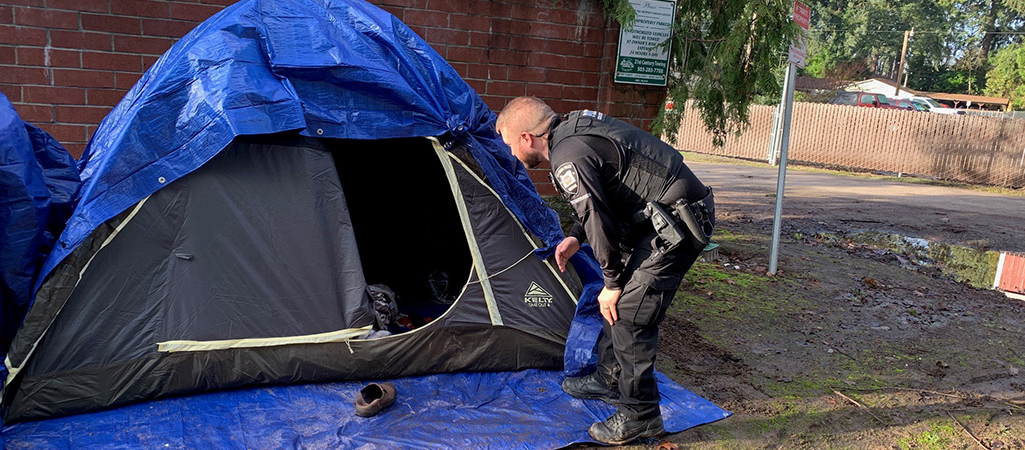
(406, 223)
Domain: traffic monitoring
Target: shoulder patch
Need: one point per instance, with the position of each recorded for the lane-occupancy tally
(566, 176)
(593, 114)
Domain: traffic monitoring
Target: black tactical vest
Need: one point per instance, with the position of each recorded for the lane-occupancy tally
(646, 165)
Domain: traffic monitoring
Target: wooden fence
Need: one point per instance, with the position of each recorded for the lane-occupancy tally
(1010, 275)
(983, 150)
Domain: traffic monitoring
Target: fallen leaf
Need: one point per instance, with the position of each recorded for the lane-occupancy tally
(668, 446)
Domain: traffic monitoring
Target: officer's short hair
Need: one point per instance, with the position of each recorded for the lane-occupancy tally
(526, 114)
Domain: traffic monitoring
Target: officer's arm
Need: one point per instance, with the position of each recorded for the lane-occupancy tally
(578, 173)
(577, 230)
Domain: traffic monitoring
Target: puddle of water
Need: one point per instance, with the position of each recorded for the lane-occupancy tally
(975, 266)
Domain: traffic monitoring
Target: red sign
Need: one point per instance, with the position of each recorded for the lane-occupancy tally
(798, 49)
(802, 15)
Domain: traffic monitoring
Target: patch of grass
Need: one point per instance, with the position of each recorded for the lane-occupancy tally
(725, 235)
(733, 294)
(798, 388)
(719, 432)
(936, 438)
(873, 368)
(777, 420)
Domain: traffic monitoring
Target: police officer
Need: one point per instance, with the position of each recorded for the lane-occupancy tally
(611, 172)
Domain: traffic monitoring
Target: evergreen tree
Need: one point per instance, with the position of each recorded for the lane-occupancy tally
(722, 54)
(1006, 77)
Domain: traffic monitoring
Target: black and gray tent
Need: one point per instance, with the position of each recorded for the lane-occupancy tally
(237, 204)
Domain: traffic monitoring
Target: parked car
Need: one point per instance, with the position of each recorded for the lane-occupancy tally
(937, 107)
(909, 105)
(865, 99)
(919, 105)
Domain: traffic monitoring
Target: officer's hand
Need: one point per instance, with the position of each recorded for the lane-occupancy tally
(607, 300)
(565, 250)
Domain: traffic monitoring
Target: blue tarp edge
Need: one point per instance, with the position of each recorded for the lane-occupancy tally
(502, 410)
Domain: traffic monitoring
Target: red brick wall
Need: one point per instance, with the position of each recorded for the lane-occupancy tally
(65, 63)
(562, 51)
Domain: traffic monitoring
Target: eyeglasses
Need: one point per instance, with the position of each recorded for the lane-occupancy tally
(535, 136)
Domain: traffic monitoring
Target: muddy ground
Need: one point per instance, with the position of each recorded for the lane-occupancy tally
(857, 343)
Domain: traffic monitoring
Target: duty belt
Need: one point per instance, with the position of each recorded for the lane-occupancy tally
(697, 220)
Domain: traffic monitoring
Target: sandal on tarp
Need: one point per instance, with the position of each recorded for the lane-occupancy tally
(373, 398)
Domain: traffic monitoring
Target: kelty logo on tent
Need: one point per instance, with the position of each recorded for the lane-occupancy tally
(537, 297)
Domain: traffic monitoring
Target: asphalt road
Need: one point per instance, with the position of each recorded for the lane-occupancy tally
(938, 213)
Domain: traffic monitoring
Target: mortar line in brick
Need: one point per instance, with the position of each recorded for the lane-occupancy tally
(46, 61)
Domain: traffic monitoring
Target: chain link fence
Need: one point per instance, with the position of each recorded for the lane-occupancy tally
(973, 149)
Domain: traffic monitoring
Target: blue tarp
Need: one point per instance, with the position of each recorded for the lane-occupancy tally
(337, 69)
(504, 410)
(38, 182)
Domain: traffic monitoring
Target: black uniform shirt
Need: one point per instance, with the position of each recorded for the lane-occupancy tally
(586, 171)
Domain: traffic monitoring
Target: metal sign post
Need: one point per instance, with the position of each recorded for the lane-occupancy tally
(788, 110)
(802, 16)
(777, 129)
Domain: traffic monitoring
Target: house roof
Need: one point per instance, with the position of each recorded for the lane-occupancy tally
(894, 84)
(981, 99)
(964, 98)
(804, 83)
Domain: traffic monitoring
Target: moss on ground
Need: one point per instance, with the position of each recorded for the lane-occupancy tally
(727, 294)
(937, 437)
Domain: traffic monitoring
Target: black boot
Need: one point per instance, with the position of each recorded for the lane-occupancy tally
(621, 428)
(591, 386)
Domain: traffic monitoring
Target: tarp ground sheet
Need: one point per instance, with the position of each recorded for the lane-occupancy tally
(503, 410)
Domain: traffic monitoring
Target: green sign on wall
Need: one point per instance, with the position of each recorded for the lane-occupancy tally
(641, 59)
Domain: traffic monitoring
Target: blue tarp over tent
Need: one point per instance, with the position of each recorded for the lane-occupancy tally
(336, 69)
(38, 183)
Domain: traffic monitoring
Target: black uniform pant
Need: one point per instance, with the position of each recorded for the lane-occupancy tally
(627, 349)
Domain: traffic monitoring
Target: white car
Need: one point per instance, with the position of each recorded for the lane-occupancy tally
(936, 107)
